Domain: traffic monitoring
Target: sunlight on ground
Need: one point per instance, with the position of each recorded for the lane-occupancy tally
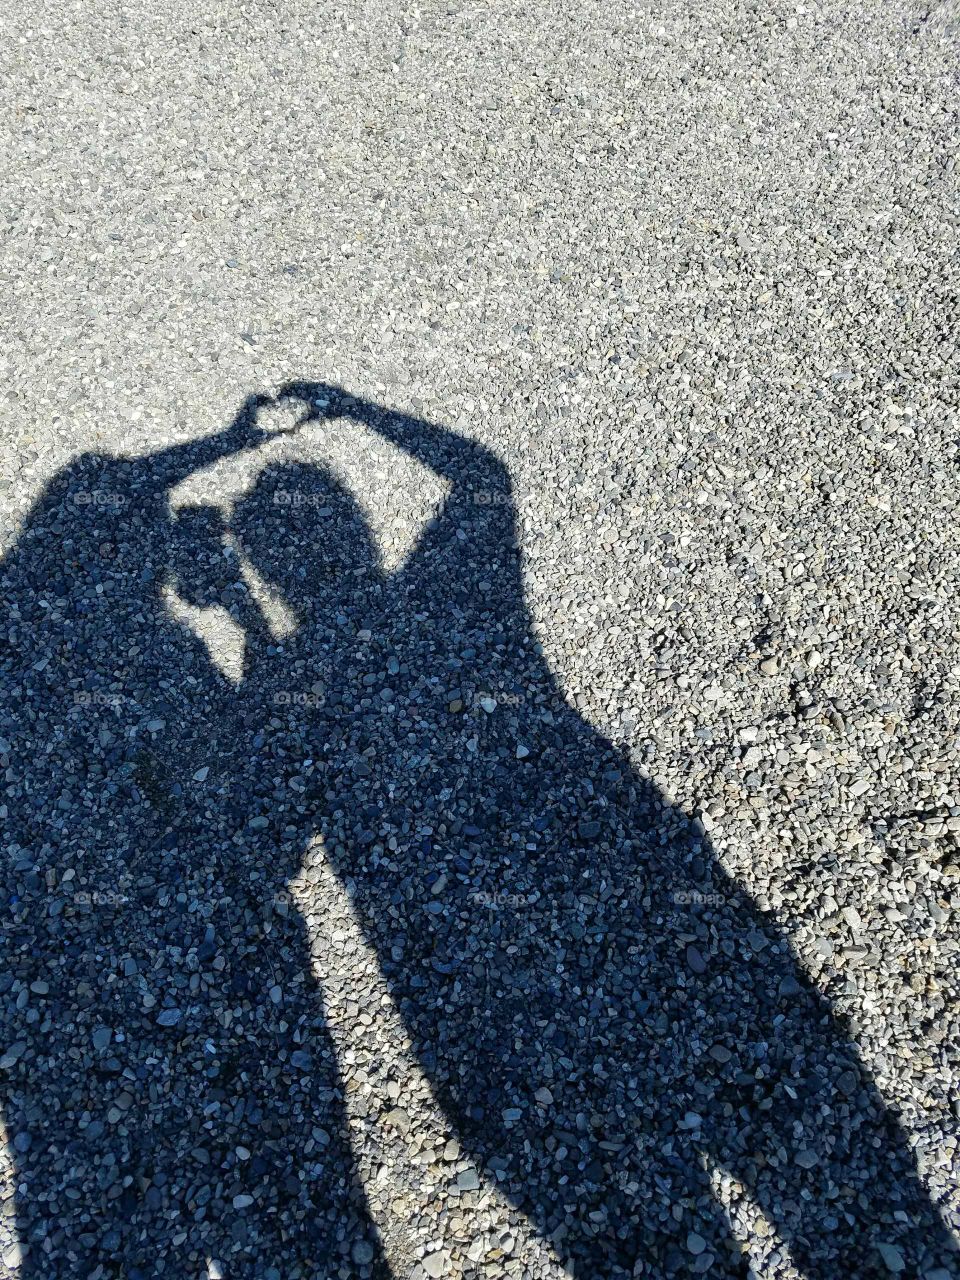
(225, 640)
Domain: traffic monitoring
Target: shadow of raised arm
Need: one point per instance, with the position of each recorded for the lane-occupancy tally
(473, 537)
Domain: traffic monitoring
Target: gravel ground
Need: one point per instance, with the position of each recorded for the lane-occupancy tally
(479, 646)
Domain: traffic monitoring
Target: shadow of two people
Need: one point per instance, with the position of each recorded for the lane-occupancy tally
(603, 1014)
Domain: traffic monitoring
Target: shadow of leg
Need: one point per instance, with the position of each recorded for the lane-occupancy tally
(802, 1127)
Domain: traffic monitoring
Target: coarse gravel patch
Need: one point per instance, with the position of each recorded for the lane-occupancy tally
(479, 651)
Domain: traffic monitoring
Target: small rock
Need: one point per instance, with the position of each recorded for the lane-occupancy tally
(695, 960)
(362, 1252)
(696, 1243)
(847, 1083)
(13, 1054)
(399, 1119)
(892, 1258)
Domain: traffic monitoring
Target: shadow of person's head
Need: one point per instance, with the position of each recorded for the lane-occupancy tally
(306, 534)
